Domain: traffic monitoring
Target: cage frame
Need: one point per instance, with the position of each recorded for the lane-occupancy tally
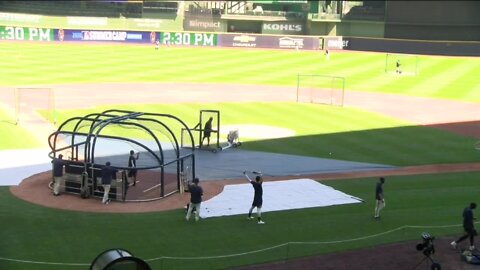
(98, 122)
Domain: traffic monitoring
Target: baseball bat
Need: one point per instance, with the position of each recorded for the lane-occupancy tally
(254, 172)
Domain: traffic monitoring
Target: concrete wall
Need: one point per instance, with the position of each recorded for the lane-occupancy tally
(347, 28)
(433, 20)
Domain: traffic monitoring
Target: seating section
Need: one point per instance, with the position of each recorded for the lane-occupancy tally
(365, 13)
(162, 7)
(65, 8)
(152, 9)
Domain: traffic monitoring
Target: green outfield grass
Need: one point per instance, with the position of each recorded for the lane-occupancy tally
(14, 136)
(346, 133)
(48, 63)
(34, 233)
(41, 234)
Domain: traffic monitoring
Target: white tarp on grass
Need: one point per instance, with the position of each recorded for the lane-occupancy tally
(19, 164)
(277, 196)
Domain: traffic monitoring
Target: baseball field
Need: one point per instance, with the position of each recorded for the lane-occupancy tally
(36, 237)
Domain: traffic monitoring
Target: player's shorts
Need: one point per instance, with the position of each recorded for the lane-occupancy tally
(132, 173)
(257, 202)
(470, 231)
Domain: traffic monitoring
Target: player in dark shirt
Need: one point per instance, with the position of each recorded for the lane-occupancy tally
(196, 193)
(397, 65)
(132, 163)
(379, 198)
(468, 226)
(108, 173)
(58, 164)
(257, 198)
(207, 130)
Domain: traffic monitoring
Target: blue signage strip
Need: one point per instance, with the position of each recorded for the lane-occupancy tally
(105, 36)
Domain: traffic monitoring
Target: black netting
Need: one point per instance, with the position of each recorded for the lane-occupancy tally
(96, 139)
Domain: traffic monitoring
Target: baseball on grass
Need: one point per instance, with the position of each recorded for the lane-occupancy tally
(330, 153)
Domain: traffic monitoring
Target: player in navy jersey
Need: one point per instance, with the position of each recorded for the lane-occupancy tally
(379, 198)
(196, 193)
(207, 130)
(468, 226)
(58, 164)
(132, 164)
(257, 198)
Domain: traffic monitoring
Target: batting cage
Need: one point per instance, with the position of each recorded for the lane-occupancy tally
(142, 147)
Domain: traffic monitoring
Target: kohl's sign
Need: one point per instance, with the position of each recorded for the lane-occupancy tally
(282, 28)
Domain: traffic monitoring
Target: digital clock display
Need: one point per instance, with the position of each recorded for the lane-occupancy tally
(25, 33)
(194, 39)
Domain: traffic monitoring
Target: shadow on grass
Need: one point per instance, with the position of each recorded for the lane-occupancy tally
(399, 146)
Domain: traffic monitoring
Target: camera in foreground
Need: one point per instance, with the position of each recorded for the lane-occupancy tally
(426, 246)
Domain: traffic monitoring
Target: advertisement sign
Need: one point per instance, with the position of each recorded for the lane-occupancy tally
(291, 43)
(87, 21)
(283, 28)
(145, 23)
(336, 43)
(106, 36)
(203, 24)
(26, 33)
(272, 42)
(248, 41)
(188, 39)
(16, 17)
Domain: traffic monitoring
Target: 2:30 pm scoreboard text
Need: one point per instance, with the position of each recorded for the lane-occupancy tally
(26, 33)
(185, 38)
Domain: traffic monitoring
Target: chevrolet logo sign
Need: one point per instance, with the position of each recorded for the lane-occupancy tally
(244, 38)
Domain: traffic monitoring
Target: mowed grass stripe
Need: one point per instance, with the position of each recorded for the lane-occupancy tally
(380, 81)
(94, 63)
(52, 62)
(462, 82)
(285, 77)
(434, 77)
(401, 84)
(279, 72)
(258, 67)
(14, 136)
(209, 66)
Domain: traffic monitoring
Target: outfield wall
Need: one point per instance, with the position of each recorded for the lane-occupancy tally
(335, 37)
(346, 28)
(453, 48)
(19, 33)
